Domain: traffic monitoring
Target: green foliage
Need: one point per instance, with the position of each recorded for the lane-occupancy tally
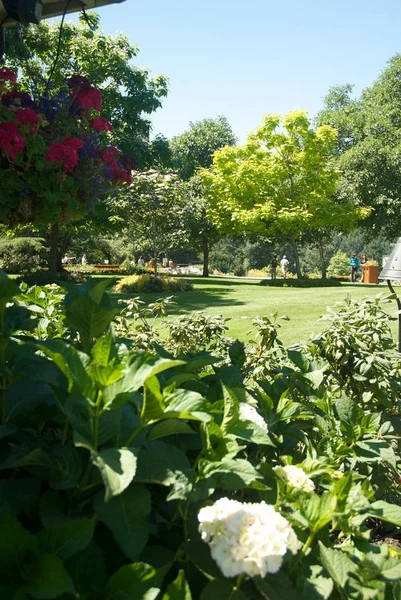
(195, 148)
(22, 255)
(280, 182)
(339, 265)
(150, 283)
(301, 283)
(108, 454)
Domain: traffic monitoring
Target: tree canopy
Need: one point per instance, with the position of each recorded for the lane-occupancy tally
(194, 148)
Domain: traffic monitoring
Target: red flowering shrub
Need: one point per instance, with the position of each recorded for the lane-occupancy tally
(99, 124)
(11, 141)
(52, 161)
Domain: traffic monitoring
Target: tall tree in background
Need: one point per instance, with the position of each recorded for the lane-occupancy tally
(194, 148)
(281, 182)
(199, 223)
(128, 92)
(369, 153)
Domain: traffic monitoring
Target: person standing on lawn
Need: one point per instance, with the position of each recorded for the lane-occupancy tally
(364, 260)
(354, 264)
(284, 266)
(273, 266)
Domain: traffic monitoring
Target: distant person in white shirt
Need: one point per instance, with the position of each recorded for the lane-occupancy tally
(284, 266)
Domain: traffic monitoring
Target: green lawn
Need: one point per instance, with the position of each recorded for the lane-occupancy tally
(240, 300)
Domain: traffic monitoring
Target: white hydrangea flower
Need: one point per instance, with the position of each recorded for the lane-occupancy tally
(249, 413)
(295, 477)
(248, 538)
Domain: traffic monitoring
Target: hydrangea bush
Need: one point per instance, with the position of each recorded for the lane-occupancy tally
(142, 474)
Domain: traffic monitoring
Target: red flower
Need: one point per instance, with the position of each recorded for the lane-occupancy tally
(27, 116)
(8, 75)
(110, 155)
(100, 124)
(88, 97)
(11, 141)
(121, 176)
(73, 142)
(63, 153)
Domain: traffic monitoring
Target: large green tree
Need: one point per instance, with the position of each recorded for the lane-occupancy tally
(194, 148)
(281, 182)
(129, 94)
(369, 149)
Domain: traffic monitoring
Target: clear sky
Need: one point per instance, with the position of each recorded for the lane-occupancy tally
(245, 58)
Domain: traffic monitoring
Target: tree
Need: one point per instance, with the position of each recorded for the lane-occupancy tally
(280, 183)
(203, 232)
(195, 148)
(151, 210)
(128, 91)
(370, 147)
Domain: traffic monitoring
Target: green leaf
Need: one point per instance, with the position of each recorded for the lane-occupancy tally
(338, 565)
(199, 554)
(186, 404)
(126, 516)
(391, 570)
(179, 589)
(232, 474)
(15, 541)
(66, 539)
(169, 427)
(117, 467)
(391, 513)
(250, 432)
(276, 587)
(48, 578)
(220, 589)
(137, 581)
(316, 586)
(20, 495)
(88, 571)
(67, 467)
(231, 409)
(161, 463)
(153, 405)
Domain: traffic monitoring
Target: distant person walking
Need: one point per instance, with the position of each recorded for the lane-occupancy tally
(364, 260)
(284, 266)
(273, 267)
(354, 264)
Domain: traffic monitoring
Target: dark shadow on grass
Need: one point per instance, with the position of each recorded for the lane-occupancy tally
(188, 301)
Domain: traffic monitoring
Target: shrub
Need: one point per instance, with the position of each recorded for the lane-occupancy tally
(338, 265)
(135, 475)
(22, 255)
(149, 283)
(300, 283)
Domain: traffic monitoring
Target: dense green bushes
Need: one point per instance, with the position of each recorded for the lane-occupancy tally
(149, 283)
(258, 473)
(22, 255)
(300, 283)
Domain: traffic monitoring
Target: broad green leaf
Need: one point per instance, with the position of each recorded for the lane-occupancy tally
(231, 409)
(391, 570)
(15, 541)
(391, 513)
(146, 365)
(232, 474)
(88, 571)
(126, 516)
(186, 404)
(169, 427)
(220, 589)
(117, 467)
(316, 586)
(67, 467)
(20, 495)
(199, 554)
(137, 581)
(338, 565)
(161, 463)
(66, 539)
(276, 587)
(179, 589)
(48, 578)
(250, 432)
(153, 404)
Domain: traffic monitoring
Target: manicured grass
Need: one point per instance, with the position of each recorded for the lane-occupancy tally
(241, 300)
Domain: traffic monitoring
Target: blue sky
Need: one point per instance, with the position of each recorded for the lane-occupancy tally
(243, 58)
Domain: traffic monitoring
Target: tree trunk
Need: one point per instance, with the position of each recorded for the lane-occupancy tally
(296, 256)
(156, 256)
(205, 259)
(322, 259)
(54, 259)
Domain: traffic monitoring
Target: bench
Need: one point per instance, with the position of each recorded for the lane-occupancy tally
(107, 267)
